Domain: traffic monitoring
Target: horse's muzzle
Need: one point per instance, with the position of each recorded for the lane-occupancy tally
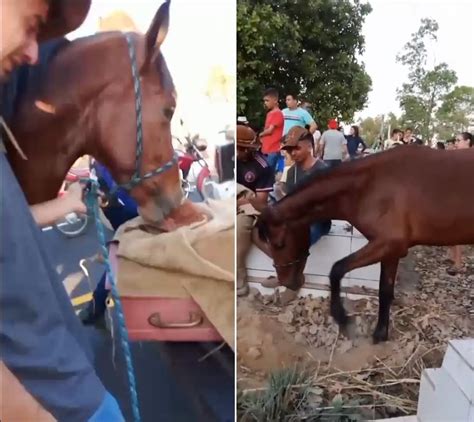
(157, 208)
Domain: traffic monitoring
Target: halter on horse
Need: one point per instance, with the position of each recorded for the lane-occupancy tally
(136, 178)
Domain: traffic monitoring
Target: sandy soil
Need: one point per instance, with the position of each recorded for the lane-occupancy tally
(431, 307)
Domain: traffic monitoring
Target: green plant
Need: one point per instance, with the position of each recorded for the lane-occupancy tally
(290, 397)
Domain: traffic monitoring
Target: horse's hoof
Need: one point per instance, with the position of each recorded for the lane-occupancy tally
(339, 314)
(287, 296)
(380, 336)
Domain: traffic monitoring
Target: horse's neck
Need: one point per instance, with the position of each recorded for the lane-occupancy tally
(324, 198)
(56, 133)
(51, 150)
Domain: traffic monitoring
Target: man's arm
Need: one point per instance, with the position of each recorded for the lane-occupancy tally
(49, 212)
(274, 120)
(267, 131)
(41, 339)
(313, 127)
(262, 197)
(345, 151)
(308, 120)
(322, 143)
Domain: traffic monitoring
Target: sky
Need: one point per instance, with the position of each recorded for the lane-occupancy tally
(389, 27)
(202, 34)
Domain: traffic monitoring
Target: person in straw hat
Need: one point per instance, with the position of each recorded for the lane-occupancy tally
(42, 344)
(255, 178)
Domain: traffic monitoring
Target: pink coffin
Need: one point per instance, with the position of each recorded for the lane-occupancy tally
(162, 318)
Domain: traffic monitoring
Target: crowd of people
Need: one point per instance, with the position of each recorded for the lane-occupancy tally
(277, 160)
(274, 161)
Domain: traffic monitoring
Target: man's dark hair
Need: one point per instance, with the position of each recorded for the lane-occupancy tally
(440, 145)
(307, 137)
(271, 92)
(293, 95)
(451, 141)
(467, 137)
(395, 131)
(409, 128)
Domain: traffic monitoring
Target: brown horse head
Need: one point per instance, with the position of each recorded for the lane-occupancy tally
(89, 93)
(289, 243)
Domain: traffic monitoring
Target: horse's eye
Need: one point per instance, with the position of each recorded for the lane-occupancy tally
(169, 112)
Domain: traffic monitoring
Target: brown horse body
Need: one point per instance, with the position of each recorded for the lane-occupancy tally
(90, 109)
(397, 199)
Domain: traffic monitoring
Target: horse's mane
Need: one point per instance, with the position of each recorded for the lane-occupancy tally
(71, 73)
(348, 168)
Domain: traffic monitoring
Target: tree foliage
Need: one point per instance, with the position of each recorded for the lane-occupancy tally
(307, 47)
(456, 113)
(421, 96)
(371, 128)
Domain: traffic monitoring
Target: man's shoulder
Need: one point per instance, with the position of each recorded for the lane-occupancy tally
(275, 113)
(319, 165)
(260, 160)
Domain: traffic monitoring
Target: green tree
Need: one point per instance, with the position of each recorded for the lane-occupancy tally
(421, 96)
(456, 113)
(307, 47)
(371, 128)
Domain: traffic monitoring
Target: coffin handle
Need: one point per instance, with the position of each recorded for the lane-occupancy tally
(195, 319)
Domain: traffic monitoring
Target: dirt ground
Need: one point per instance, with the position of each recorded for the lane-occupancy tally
(431, 307)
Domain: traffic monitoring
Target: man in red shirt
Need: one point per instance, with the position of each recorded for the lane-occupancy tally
(273, 132)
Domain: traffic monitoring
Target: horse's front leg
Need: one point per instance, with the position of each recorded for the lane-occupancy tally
(388, 273)
(370, 254)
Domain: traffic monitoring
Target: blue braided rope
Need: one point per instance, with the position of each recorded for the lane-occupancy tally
(93, 205)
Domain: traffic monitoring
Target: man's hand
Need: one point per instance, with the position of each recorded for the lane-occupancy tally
(74, 196)
(242, 201)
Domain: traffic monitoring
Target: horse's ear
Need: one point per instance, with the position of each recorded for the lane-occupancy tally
(158, 30)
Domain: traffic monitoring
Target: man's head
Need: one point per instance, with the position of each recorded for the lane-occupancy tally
(464, 140)
(247, 142)
(270, 98)
(440, 145)
(292, 101)
(299, 144)
(27, 22)
(408, 133)
(396, 134)
(355, 130)
(451, 143)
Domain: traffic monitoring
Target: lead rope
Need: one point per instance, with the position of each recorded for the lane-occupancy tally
(92, 202)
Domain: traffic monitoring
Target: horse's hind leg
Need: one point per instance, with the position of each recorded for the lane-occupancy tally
(388, 272)
(370, 254)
